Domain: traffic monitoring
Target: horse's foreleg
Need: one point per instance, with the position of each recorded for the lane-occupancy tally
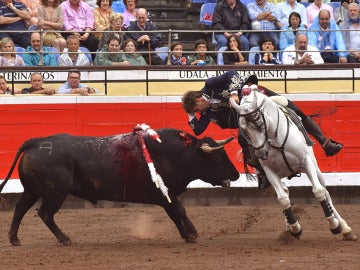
(292, 224)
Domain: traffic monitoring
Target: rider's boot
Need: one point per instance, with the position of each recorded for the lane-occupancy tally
(330, 146)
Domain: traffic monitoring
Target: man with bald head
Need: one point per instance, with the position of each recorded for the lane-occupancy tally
(330, 43)
(301, 53)
(32, 57)
(146, 39)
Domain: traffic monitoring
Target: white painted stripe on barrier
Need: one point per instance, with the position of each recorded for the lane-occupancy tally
(74, 99)
(332, 179)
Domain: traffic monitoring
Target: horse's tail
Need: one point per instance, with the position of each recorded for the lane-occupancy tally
(23, 147)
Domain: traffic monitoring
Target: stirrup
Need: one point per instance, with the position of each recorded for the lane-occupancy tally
(331, 147)
(263, 182)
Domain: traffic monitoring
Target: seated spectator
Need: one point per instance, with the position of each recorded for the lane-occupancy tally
(236, 57)
(73, 85)
(200, 57)
(330, 43)
(50, 18)
(130, 12)
(176, 55)
(231, 15)
(37, 81)
(301, 53)
(110, 55)
(352, 37)
(32, 6)
(341, 14)
(116, 21)
(289, 31)
(8, 56)
(13, 16)
(289, 6)
(267, 56)
(146, 41)
(265, 17)
(102, 16)
(314, 8)
(72, 55)
(4, 88)
(32, 57)
(79, 21)
(131, 55)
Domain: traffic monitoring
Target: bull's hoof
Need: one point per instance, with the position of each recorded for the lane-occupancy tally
(15, 242)
(191, 239)
(336, 230)
(64, 240)
(350, 236)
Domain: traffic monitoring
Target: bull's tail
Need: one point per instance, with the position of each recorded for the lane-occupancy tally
(22, 148)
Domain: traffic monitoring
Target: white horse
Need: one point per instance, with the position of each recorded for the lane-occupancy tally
(282, 151)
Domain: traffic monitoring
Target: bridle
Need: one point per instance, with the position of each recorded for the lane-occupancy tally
(249, 118)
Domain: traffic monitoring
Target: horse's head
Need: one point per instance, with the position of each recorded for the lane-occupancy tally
(252, 120)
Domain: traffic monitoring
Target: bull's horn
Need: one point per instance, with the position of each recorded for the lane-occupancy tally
(208, 149)
(223, 142)
(234, 105)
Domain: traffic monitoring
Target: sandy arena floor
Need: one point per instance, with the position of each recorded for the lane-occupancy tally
(143, 237)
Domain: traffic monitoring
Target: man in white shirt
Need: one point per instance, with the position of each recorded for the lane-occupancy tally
(301, 53)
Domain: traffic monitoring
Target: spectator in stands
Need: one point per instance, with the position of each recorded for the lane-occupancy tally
(352, 37)
(341, 14)
(330, 43)
(72, 55)
(110, 55)
(200, 57)
(130, 12)
(37, 81)
(289, 31)
(102, 16)
(79, 21)
(301, 53)
(237, 57)
(176, 56)
(13, 16)
(32, 6)
(73, 85)
(267, 55)
(8, 56)
(265, 17)
(289, 6)
(4, 88)
(314, 8)
(116, 21)
(231, 15)
(146, 41)
(32, 57)
(131, 55)
(50, 18)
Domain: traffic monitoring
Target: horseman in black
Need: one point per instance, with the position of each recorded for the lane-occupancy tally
(212, 103)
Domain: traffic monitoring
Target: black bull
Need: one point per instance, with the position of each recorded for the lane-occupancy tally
(113, 168)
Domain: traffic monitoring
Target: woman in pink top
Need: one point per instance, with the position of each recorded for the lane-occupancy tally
(8, 56)
(130, 12)
(314, 8)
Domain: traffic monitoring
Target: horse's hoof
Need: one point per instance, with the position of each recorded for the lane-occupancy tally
(336, 230)
(350, 236)
(296, 234)
(15, 243)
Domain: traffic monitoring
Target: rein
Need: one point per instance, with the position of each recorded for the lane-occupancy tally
(280, 148)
